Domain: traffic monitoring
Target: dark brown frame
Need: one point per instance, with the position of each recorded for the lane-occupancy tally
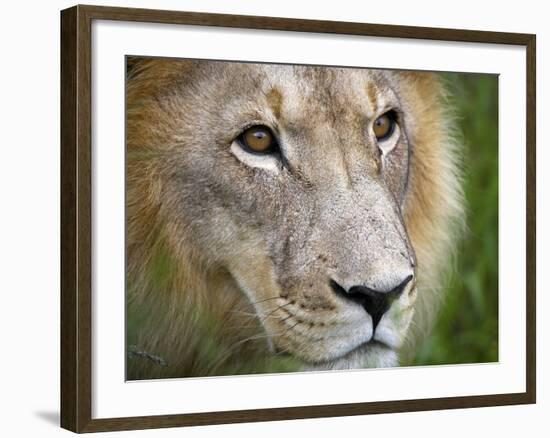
(76, 168)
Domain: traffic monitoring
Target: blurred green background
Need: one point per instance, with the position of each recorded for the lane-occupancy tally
(467, 328)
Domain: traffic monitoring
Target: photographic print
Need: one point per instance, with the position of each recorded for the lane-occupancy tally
(343, 224)
(299, 218)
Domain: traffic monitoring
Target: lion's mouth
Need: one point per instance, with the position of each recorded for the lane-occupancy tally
(371, 354)
(357, 353)
(363, 349)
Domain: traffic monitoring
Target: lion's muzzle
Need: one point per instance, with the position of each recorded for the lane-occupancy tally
(375, 302)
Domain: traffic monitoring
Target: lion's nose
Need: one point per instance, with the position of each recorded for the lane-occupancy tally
(375, 302)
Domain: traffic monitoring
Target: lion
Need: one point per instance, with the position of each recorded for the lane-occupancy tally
(284, 217)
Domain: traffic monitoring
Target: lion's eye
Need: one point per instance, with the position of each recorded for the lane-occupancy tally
(258, 139)
(384, 126)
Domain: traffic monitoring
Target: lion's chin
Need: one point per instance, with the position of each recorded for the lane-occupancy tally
(368, 355)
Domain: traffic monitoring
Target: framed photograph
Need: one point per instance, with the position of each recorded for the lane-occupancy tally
(269, 218)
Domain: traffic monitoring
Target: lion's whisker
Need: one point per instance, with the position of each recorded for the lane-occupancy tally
(264, 300)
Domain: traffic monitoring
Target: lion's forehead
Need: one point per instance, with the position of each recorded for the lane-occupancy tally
(297, 91)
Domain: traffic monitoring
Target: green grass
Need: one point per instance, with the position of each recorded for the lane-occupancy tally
(467, 328)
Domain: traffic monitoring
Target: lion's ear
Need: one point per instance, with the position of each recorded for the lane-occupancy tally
(145, 67)
(160, 68)
(146, 76)
(132, 63)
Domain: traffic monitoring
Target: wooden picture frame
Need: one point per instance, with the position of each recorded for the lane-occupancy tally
(76, 218)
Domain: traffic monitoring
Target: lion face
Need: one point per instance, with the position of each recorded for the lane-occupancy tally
(293, 180)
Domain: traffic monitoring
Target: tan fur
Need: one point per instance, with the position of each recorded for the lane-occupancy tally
(212, 306)
(434, 211)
